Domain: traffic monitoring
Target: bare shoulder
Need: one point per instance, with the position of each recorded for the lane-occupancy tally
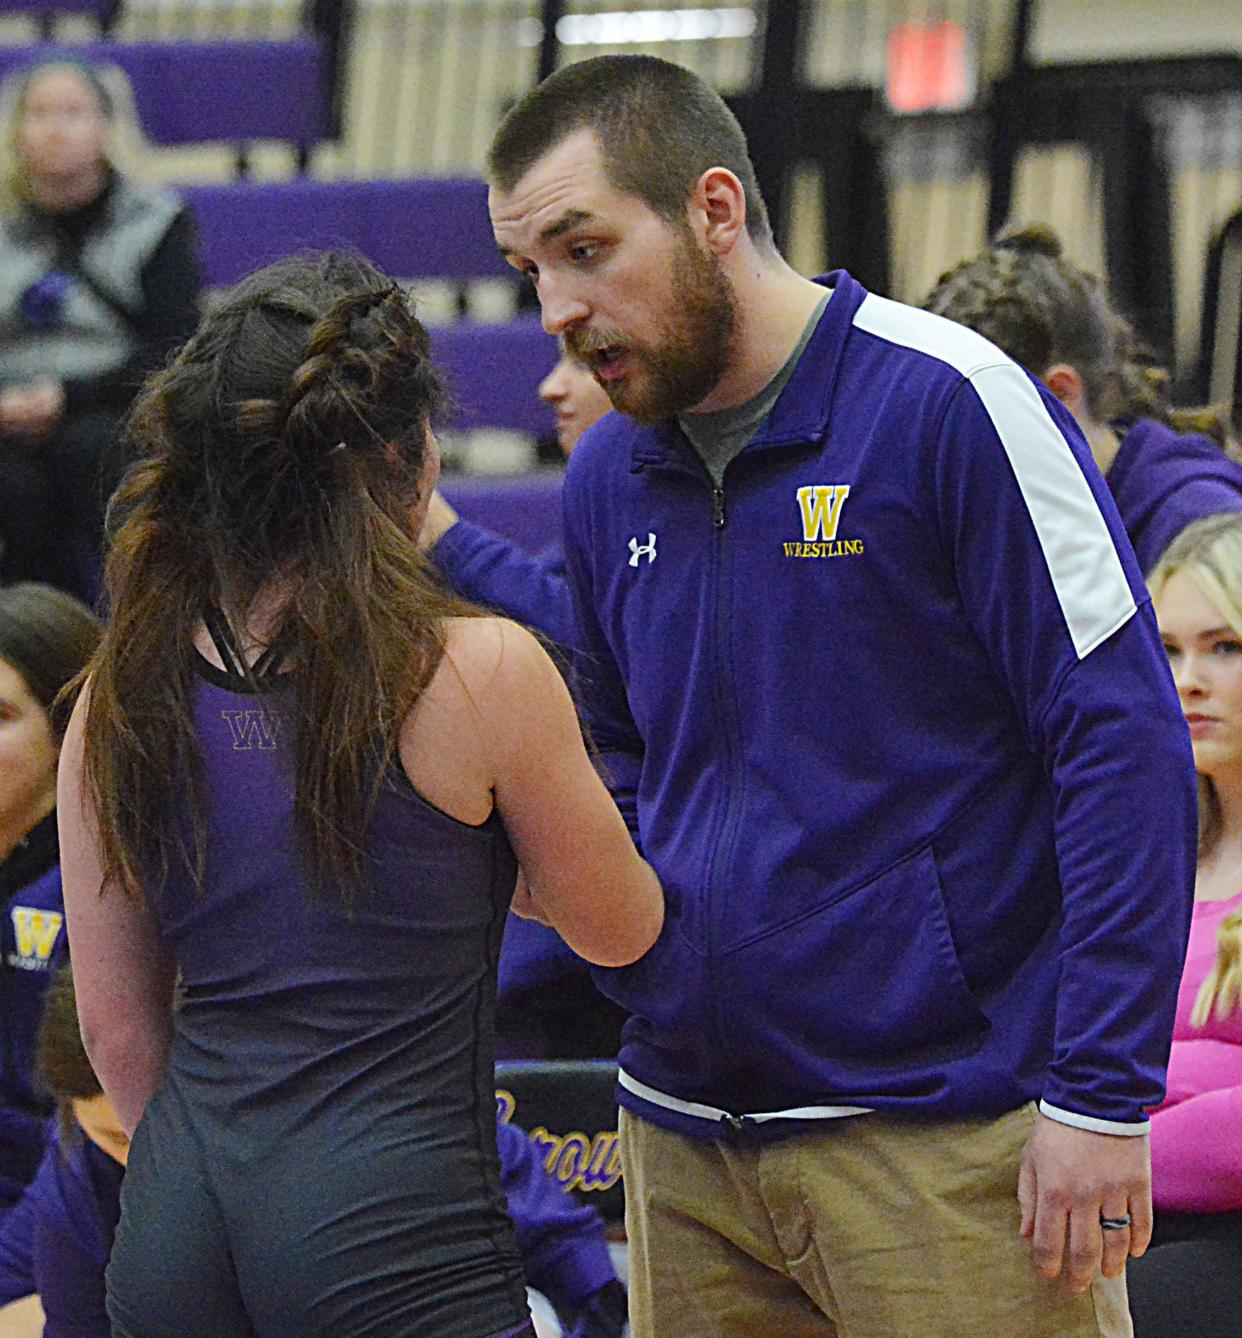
(73, 746)
(490, 689)
(495, 659)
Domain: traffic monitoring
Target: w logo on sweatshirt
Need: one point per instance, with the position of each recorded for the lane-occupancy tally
(820, 504)
(35, 933)
(819, 508)
(252, 729)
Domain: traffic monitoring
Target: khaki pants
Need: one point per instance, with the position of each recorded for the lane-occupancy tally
(867, 1228)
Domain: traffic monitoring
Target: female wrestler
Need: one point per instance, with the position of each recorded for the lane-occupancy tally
(303, 781)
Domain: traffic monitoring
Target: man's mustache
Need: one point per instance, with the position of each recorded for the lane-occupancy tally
(584, 343)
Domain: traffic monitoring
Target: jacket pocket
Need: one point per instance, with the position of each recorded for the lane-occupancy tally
(870, 974)
(665, 986)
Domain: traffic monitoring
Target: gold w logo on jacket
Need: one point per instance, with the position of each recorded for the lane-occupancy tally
(35, 932)
(821, 505)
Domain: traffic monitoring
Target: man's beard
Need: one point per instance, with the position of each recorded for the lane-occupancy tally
(688, 361)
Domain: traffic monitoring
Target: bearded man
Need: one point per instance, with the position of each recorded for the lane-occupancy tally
(880, 692)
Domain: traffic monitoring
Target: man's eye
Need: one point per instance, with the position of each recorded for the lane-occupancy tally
(583, 250)
(1227, 647)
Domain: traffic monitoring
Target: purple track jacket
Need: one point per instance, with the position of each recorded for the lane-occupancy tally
(890, 717)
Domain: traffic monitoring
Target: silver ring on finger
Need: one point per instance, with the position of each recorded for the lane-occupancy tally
(1115, 1223)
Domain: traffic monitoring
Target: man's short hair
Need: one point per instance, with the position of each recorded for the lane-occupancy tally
(659, 127)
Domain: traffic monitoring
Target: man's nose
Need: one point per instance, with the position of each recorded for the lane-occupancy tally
(562, 308)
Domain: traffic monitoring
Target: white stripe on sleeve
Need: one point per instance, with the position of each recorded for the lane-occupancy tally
(1086, 573)
(1092, 1124)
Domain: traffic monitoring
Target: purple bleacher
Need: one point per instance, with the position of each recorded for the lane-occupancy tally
(420, 229)
(54, 9)
(525, 509)
(191, 92)
(431, 228)
(494, 373)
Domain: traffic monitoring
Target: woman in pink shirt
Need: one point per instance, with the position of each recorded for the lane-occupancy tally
(1187, 1282)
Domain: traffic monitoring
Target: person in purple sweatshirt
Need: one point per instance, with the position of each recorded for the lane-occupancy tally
(46, 637)
(300, 784)
(495, 572)
(546, 1004)
(1055, 319)
(879, 690)
(56, 1242)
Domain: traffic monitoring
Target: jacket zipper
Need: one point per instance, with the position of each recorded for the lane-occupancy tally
(721, 854)
(718, 508)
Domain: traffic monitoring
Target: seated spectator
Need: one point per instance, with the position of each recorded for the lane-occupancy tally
(46, 638)
(55, 1243)
(561, 1242)
(577, 398)
(495, 572)
(99, 279)
(1055, 319)
(547, 1007)
(1187, 1281)
(57, 1240)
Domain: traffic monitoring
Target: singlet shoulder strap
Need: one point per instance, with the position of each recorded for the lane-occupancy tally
(273, 658)
(227, 647)
(222, 638)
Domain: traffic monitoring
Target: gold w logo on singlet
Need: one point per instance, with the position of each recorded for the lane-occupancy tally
(35, 931)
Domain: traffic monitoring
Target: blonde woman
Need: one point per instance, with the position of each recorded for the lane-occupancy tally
(1187, 1283)
(99, 279)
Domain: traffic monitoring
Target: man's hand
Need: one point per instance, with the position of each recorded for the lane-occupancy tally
(32, 410)
(440, 519)
(1070, 1178)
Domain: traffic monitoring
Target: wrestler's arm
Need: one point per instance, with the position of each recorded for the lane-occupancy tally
(123, 970)
(584, 874)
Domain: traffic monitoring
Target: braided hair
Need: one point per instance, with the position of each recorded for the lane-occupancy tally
(1147, 392)
(287, 441)
(1023, 295)
(1030, 301)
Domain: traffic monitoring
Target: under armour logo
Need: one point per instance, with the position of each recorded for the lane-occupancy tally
(638, 550)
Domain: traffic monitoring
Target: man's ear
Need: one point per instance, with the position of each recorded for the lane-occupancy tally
(1066, 384)
(718, 206)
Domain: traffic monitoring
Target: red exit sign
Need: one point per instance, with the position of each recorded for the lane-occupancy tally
(930, 67)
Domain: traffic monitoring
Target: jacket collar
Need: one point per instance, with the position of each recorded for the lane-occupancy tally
(802, 413)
